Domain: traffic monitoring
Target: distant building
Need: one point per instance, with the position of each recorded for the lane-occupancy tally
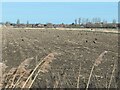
(20, 26)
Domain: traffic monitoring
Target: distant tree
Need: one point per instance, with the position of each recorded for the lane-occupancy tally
(96, 20)
(76, 21)
(87, 20)
(7, 23)
(79, 21)
(93, 20)
(114, 21)
(99, 20)
(83, 21)
(27, 22)
(104, 21)
(62, 23)
(18, 21)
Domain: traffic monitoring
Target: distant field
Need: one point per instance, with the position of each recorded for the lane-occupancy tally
(75, 48)
(80, 29)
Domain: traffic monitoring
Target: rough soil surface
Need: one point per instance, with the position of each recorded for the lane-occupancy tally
(76, 49)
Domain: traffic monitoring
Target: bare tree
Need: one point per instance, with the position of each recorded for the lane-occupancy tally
(104, 21)
(114, 21)
(7, 23)
(96, 20)
(79, 21)
(83, 21)
(18, 21)
(99, 20)
(93, 20)
(87, 20)
(27, 22)
(75, 21)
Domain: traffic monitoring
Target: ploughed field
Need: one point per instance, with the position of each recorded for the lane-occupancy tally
(76, 49)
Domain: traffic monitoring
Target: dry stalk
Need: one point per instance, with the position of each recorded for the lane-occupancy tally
(14, 76)
(65, 78)
(43, 67)
(34, 79)
(78, 79)
(32, 73)
(25, 64)
(106, 83)
(59, 78)
(114, 67)
(36, 60)
(56, 84)
(18, 81)
(9, 76)
(21, 71)
(97, 83)
(97, 62)
(2, 72)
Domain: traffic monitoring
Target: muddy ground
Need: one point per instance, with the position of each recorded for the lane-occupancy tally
(76, 49)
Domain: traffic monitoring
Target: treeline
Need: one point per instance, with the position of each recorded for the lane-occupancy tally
(94, 23)
(78, 23)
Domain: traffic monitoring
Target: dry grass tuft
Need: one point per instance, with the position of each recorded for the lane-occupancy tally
(78, 79)
(96, 63)
(23, 76)
(17, 75)
(43, 67)
(113, 72)
(100, 58)
(2, 71)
